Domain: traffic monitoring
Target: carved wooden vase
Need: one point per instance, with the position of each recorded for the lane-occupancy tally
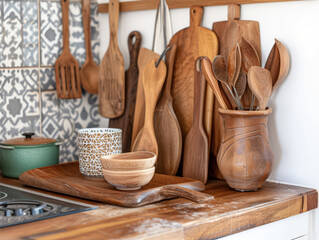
(245, 157)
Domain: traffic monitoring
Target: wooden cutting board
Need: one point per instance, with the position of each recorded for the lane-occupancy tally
(192, 42)
(66, 179)
(125, 122)
(229, 33)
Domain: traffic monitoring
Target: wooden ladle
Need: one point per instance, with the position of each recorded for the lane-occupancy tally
(278, 63)
(153, 80)
(90, 70)
(260, 83)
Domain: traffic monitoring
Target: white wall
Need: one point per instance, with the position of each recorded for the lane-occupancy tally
(294, 124)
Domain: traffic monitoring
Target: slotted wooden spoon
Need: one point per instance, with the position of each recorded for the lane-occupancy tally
(67, 74)
(153, 80)
(260, 83)
(90, 70)
(112, 74)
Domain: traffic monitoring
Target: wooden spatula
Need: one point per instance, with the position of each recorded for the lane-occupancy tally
(153, 80)
(144, 57)
(67, 74)
(112, 74)
(167, 130)
(125, 122)
(196, 148)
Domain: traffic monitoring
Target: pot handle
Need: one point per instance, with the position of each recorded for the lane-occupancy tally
(59, 142)
(7, 147)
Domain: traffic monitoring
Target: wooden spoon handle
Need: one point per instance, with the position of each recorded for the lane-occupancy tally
(114, 12)
(206, 66)
(176, 191)
(87, 28)
(199, 94)
(65, 23)
(170, 59)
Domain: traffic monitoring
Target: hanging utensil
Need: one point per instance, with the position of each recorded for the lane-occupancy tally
(67, 74)
(90, 70)
(112, 74)
(163, 28)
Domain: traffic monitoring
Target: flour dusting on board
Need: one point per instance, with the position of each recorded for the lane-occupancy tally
(155, 225)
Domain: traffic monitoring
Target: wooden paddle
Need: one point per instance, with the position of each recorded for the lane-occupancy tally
(192, 42)
(67, 74)
(229, 34)
(125, 122)
(144, 57)
(196, 147)
(167, 130)
(153, 80)
(112, 75)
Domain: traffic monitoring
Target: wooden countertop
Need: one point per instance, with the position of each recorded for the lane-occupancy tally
(230, 212)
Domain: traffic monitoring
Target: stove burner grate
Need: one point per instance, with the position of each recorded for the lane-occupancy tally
(23, 208)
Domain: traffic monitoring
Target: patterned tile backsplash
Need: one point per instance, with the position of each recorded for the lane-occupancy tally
(30, 43)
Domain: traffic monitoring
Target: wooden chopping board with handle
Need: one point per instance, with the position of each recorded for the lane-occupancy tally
(192, 42)
(66, 178)
(125, 122)
(112, 73)
(229, 33)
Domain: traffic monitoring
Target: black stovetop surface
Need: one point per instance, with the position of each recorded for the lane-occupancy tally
(18, 205)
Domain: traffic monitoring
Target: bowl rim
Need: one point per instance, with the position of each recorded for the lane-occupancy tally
(112, 157)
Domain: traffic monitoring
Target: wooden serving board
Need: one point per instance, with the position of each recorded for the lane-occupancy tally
(66, 178)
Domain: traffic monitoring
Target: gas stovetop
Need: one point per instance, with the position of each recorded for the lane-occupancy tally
(18, 205)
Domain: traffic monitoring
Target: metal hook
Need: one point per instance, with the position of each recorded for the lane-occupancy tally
(162, 55)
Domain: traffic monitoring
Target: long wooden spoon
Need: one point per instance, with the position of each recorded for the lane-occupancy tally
(196, 151)
(67, 74)
(167, 130)
(260, 83)
(153, 80)
(112, 73)
(206, 68)
(90, 70)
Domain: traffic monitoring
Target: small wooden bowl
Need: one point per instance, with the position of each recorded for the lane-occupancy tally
(129, 180)
(129, 161)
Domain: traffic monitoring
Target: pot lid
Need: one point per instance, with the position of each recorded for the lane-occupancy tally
(28, 140)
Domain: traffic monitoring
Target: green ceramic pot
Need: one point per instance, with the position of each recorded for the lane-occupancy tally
(22, 154)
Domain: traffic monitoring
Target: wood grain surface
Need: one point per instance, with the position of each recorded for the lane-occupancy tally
(112, 73)
(230, 33)
(153, 4)
(153, 81)
(192, 42)
(245, 158)
(167, 130)
(196, 146)
(228, 213)
(144, 57)
(125, 122)
(67, 73)
(67, 179)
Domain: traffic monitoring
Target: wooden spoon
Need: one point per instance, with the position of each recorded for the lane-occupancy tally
(260, 83)
(112, 74)
(196, 150)
(67, 74)
(206, 68)
(220, 72)
(153, 80)
(278, 63)
(167, 130)
(125, 122)
(234, 64)
(90, 70)
(241, 84)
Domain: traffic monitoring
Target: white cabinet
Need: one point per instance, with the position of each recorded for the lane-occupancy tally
(292, 228)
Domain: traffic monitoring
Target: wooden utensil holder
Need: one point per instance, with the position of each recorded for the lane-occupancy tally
(245, 157)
